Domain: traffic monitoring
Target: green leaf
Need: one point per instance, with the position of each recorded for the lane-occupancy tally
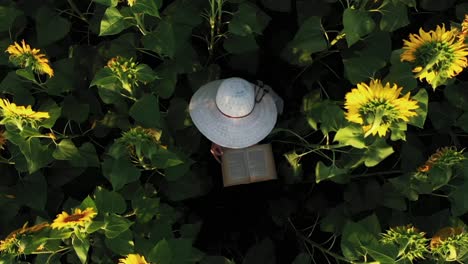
(146, 111)
(74, 110)
(357, 236)
(150, 7)
(351, 135)
(162, 40)
(308, 39)
(119, 172)
(182, 250)
(8, 15)
(332, 172)
(145, 74)
(294, 160)
(248, 20)
(122, 244)
(109, 202)
(263, 252)
(105, 77)
(115, 225)
(394, 16)
(236, 44)
(54, 113)
(360, 69)
(161, 253)
(302, 258)
(422, 98)
(459, 200)
(81, 247)
(32, 191)
(112, 22)
(64, 77)
(37, 155)
(457, 95)
(66, 150)
(165, 86)
(377, 152)
(27, 74)
(112, 3)
(50, 26)
(145, 208)
(357, 23)
(163, 158)
(401, 73)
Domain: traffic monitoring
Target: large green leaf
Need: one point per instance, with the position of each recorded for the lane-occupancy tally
(66, 150)
(351, 135)
(161, 253)
(422, 98)
(248, 20)
(400, 73)
(119, 172)
(115, 225)
(146, 111)
(236, 44)
(50, 26)
(8, 14)
(81, 246)
(112, 23)
(150, 7)
(357, 236)
(145, 208)
(162, 40)
(394, 16)
(332, 172)
(377, 152)
(122, 244)
(459, 200)
(308, 39)
(109, 201)
(357, 23)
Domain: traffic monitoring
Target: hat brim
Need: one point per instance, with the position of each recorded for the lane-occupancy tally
(231, 132)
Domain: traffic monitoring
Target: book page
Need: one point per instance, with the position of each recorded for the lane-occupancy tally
(261, 163)
(234, 167)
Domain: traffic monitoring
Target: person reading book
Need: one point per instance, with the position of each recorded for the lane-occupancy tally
(235, 115)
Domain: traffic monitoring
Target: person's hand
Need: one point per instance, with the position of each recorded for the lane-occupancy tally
(217, 151)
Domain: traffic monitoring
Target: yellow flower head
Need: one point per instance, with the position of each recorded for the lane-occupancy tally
(131, 2)
(376, 107)
(20, 114)
(133, 259)
(464, 30)
(78, 218)
(25, 57)
(436, 55)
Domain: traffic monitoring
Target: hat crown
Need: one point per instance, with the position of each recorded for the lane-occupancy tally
(235, 97)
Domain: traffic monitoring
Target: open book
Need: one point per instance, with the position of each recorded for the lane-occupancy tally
(247, 165)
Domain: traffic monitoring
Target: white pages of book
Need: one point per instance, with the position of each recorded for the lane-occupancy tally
(247, 165)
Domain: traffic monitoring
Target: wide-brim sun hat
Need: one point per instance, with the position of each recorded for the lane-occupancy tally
(233, 112)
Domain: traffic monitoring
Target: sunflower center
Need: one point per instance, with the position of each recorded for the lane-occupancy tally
(73, 218)
(437, 56)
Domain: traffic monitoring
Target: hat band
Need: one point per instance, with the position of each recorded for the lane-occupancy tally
(258, 98)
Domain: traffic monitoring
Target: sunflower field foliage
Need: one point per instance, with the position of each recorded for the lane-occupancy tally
(101, 163)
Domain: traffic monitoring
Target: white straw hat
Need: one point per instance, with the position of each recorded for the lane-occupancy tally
(233, 112)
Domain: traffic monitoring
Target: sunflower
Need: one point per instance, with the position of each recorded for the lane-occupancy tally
(131, 2)
(20, 114)
(436, 55)
(464, 29)
(133, 259)
(78, 218)
(25, 57)
(377, 107)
